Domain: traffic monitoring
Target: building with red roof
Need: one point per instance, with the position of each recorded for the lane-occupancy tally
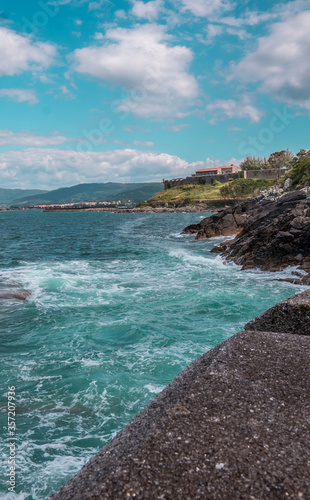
(230, 169)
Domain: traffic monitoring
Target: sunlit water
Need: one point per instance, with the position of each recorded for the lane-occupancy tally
(119, 305)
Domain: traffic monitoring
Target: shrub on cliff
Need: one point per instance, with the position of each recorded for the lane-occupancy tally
(300, 172)
(238, 188)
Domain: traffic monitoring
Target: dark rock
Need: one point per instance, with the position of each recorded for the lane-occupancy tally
(290, 316)
(12, 293)
(269, 234)
(232, 425)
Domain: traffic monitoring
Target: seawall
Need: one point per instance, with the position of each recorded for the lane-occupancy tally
(234, 424)
(209, 179)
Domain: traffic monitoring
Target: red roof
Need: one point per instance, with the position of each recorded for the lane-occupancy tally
(207, 170)
(213, 169)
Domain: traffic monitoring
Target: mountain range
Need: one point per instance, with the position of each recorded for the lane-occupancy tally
(109, 191)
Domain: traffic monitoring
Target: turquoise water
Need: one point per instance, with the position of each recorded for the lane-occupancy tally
(119, 305)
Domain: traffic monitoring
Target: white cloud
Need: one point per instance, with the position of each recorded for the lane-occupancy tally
(20, 53)
(66, 93)
(27, 138)
(148, 10)
(121, 14)
(213, 30)
(204, 8)
(208, 163)
(149, 144)
(223, 109)
(51, 168)
(281, 61)
(140, 60)
(177, 128)
(20, 95)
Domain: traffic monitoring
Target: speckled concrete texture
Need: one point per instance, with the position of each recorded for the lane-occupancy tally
(290, 316)
(235, 424)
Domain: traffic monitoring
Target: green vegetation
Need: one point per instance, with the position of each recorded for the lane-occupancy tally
(300, 171)
(275, 161)
(242, 188)
(192, 193)
(253, 163)
(189, 193)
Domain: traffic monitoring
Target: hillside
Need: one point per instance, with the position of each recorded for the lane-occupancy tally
(110, 191)
(239, 188)
(8, 195)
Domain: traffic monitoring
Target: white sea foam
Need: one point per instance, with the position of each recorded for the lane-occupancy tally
(154, 389)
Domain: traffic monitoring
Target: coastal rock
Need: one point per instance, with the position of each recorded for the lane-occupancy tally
(270, 235)
(12, 293)
(232, 425)
(290, 316)
(287, 184)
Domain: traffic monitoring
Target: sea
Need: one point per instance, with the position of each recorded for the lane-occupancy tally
(120, 303)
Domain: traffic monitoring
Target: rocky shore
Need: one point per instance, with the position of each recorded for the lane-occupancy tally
(139, 210)
(270, 234)
(232, 425)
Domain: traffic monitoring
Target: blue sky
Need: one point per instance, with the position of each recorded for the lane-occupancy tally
(130, 91)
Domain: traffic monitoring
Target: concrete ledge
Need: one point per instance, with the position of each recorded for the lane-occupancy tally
(290, 316)
(233, 425)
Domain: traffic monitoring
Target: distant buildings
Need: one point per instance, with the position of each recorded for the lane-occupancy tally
(231, 169)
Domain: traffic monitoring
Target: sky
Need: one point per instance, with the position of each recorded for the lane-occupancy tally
(134, 91)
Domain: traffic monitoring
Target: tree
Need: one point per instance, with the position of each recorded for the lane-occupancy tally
(281, 159)
(300, 172)
(253, 163)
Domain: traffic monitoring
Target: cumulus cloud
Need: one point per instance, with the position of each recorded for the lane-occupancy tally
(27, 138)
(21, 53)
(20, 95)
(281, 61)
(149, 10)
(223, 109)
(51, 168)
(141, 60)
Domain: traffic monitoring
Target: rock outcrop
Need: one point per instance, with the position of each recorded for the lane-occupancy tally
(232, 425)
(14, 293)
(271, 235)
(290, 316)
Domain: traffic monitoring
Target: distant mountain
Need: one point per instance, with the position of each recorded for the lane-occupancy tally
(109, 191)
(7, 195)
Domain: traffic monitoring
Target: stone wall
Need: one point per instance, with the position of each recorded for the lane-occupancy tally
(247, 174)
(196, 179)
(264, 174)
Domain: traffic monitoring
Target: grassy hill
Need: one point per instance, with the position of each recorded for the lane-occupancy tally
(7, 195)
(109, 191)
(193, 193)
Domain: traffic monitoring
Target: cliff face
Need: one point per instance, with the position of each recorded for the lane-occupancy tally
(271, 235)
(232, 425)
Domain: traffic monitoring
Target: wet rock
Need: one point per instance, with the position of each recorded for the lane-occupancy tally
(270, 235)
(290, 316)
(12, 293)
